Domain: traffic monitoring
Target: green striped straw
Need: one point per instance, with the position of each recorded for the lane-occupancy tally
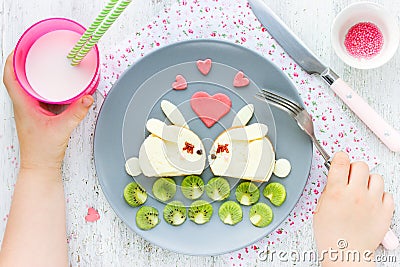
(89, 32)
(100, 30)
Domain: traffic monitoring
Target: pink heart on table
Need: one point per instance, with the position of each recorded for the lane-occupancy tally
(240, 80)
(180, 83)
(92, 215)
(204, 66)
(210, 108)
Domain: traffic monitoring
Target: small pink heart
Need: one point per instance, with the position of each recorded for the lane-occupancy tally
(210, 108)
(180, 83)
(240, 80)
(92, 215)
(204, 66)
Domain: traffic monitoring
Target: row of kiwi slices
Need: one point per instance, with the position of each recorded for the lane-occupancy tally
(193, 187)
(200, 211)
(218, 189)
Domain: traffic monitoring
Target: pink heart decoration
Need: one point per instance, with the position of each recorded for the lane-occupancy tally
(210, 108)
(240, 80)
(204, 66)
(92, 215)
(180, 83)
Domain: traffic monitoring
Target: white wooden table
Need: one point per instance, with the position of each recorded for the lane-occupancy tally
(110, 243)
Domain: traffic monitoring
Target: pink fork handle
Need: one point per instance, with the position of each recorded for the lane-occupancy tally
(390, 241)
(386, 133)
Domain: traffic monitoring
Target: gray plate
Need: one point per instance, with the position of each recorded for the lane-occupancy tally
(120, 131)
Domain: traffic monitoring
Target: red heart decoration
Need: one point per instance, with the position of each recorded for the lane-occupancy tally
(92, 215)
(240, 80)
(204, 66)
(210, 108)
(180, 83)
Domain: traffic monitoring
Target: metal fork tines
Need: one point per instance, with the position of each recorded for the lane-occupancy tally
(301, 116)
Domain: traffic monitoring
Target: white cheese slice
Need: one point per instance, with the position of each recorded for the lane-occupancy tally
(159, 158)
(173, 114)
(243, 116)
(132, 167)
(248, 133)
(254, 160)
(282, 168)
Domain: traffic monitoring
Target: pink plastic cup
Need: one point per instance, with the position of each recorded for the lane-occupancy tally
(28, 39)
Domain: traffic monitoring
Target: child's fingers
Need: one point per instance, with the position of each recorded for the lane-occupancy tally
(376, 185)
(388, 202)
(359, 175)
(20, 99)
(339, 172)
(75, 113)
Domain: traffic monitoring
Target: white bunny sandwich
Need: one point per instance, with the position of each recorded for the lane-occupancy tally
(169, 150)
(243, 152)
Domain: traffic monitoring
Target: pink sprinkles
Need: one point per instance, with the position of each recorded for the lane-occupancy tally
(364, 40)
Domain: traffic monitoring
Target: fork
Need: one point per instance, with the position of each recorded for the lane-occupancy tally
(301, 116)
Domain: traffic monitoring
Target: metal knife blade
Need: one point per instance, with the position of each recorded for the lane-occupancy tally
(287, 39)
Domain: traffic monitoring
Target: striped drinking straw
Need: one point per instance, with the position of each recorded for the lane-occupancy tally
(98, 28)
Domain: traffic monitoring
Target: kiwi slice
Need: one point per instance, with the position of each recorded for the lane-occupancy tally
(200, 212)
(230, 213)
(218, 189)
(276, 193)
(147, 218)
(175, 213)
(164, 189)
(134, 194)
(247, 193)
(261, 215)
(192, 187)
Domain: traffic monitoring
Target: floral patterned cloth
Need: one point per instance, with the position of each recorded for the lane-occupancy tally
(233, 20)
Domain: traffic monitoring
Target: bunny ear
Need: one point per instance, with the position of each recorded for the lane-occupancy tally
(163, 131)
(173, 114)
(155, 127)
(243, 116)
(248, 133)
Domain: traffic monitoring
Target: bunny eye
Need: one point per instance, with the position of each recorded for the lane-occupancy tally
(188, 148)
(222, 148)
(199, 152)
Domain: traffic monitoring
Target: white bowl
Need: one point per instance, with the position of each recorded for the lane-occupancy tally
(365, 12)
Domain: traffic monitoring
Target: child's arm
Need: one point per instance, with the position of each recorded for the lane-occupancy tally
(36, 233)
(354, 209)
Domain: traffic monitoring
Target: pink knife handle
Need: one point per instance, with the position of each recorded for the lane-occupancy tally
(388, 135)
(390, 241)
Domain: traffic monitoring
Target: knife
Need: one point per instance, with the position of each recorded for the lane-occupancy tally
(312, 65)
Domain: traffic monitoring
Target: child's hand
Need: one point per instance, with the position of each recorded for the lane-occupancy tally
(353, 207)
(43, 136)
